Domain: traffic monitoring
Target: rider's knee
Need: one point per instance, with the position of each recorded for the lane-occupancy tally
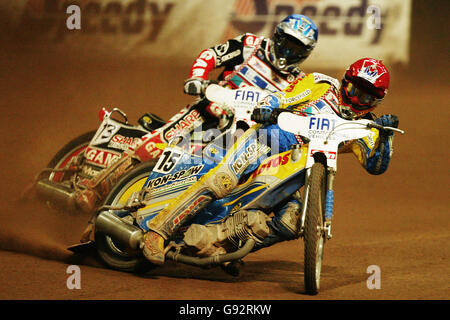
(222, 182)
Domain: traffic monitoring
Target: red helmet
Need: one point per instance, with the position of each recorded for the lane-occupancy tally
(364, 86)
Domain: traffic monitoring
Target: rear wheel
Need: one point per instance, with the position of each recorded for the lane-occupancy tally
(71, 150)
(55, 170)
(314, 236)
(112, 253)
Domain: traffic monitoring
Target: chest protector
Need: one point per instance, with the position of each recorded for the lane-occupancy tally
(256, 69)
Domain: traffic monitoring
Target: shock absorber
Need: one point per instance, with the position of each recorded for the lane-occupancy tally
(329, 202)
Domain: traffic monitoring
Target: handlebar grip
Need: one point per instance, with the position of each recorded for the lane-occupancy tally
(375, 125)
(380, 127)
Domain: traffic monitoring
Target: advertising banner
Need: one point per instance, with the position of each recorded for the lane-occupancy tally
(173, 29)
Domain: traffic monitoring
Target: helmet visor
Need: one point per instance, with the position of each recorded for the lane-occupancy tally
(290, 48)
(360, 99)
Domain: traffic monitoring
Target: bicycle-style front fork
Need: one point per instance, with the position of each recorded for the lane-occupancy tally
(329, 202)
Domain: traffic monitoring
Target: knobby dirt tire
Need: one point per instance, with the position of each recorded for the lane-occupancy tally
(110, 252)
(314, 237)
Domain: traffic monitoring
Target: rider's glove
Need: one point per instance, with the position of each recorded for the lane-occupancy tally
(194, 86)
(264, 115)
(387, 120)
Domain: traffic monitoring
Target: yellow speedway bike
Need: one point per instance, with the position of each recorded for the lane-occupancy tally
(227, 229)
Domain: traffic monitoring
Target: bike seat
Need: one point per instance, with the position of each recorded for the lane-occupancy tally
(150, 121)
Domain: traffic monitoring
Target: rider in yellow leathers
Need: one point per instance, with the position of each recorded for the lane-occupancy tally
(362, 88)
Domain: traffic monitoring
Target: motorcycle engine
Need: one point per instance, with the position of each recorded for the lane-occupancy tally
(227, 235)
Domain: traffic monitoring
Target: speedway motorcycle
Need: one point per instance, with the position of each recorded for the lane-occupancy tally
(227, 230)
(84, 171)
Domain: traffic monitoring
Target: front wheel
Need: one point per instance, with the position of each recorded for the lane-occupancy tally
(112, 253)
(314, 236)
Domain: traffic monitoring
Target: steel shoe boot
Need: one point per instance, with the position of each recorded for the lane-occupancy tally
(153, 248)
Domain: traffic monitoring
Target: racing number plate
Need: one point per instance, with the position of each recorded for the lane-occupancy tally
(168, 160)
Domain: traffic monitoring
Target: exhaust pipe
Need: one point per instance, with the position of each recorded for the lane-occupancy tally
(56, 193)
(213, 260)
(132, 236)
(114, 227)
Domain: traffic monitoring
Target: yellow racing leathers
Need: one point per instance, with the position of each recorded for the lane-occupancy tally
(319, 93)
(316, 93)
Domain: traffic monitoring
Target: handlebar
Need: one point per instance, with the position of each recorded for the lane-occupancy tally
(276, 112)
(380, 127)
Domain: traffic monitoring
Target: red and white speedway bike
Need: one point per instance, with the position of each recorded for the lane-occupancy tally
(84, 171)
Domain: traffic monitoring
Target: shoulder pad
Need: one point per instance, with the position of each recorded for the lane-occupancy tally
(320, 77)
(240, 37)
(249, 39)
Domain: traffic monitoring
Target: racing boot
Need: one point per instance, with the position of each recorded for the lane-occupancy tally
(215, 184)
(284, 226)
(153, 248)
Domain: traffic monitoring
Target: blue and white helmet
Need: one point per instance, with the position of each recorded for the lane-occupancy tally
(293, 41)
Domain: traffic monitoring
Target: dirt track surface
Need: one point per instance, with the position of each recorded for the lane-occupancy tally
(398, 221)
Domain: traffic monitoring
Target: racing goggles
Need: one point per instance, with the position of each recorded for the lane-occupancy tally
(360, 99)
(291, 49)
